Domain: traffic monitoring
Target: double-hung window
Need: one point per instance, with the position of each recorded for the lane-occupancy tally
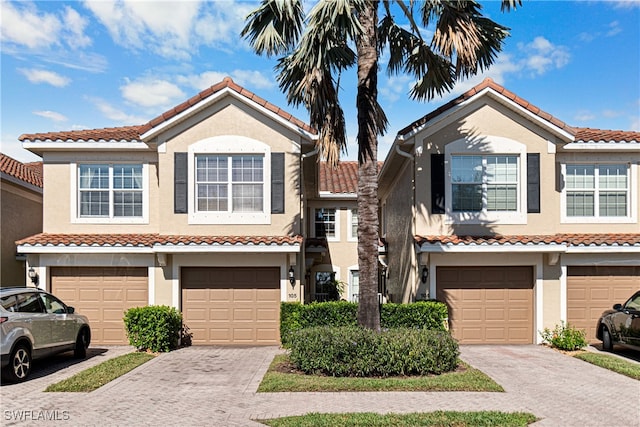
(110, 191)
(353, 224)
(597, 191)
(326, 223)
(232, 183)
(484, 183)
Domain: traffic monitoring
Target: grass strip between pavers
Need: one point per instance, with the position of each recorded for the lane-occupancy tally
(99, 375)
(438, 418)
(612, 363)
(280, 377)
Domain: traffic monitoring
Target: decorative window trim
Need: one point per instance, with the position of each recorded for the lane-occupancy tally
(632, 191)
(351, 296)
(351, 237)
(335, 238)
(489, 145)
(229, 145)
(73, 204)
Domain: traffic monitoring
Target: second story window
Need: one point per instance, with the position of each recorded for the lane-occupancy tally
(325, 223)
(597, 191)
(229, 183)
(110, 191)
(484, 183)
(353, 224)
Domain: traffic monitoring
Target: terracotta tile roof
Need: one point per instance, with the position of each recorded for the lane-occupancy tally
(488, 83)
(29, 173)
(151, 240)
(225, 83)
(119, 134)
(588, 135)
(341, 180)
(132, 133)
(574, 240)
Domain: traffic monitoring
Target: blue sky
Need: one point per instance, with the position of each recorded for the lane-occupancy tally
(93, 64)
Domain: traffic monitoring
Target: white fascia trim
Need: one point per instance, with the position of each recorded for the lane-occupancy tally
(155, 131)
(227, 248)
(438, 248)
(84, 249)
(330, 195)
(602, 249)
(500, 98)
(85, 146)
(601, 146)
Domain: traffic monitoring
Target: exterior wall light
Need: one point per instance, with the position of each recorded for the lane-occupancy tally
(424, 275)
(33, 276)
(292, 278)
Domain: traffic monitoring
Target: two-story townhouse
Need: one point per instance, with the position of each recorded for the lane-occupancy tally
(20, 214)
(515, 219)
(199, 209)
(332, 240)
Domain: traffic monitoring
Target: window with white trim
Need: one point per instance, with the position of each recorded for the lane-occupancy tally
(353, 224)
(484, 183)
(597, 191)
(229, 183)
(111, 191)
(325, 223)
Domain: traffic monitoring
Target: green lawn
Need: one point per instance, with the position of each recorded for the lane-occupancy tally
(281, 377)
(97, 376)
(439, 418)
(613, 363)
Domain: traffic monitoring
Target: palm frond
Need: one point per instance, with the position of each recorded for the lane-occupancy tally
(275, 27)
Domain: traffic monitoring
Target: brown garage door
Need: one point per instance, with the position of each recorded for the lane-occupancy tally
(594, 289)
(103, 295)
(488, 305)
(232, 305)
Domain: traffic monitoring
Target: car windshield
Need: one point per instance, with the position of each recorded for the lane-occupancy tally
(634, 302)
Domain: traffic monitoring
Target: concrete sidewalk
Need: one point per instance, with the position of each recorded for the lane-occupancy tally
(216, 386)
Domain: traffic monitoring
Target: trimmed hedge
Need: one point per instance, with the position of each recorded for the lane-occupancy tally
(154, 327)
(358, 352)
(422, 315)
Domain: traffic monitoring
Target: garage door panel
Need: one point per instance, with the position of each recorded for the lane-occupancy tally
(242, 304)
(102, 294)
(594, 289)
(488, 304)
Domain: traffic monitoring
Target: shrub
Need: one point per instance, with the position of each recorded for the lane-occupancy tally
(422, 315)
(154, 327)
(354, 351)
(565, 337)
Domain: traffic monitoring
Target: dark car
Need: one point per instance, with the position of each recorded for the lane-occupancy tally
(621, 325)
(36, 324)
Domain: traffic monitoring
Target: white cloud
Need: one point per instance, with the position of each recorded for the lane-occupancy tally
(154, 93)
(542, 55)
(584, 116)
(614, 28)
(395, 87)
(45, 76)
(627, 4)
(51, 115)
(75, 25)
(249, 78)
(116, 115)
(24, 25)
(172, 29)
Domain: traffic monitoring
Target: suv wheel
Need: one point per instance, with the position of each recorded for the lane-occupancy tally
(82, 342)
(19, 364)
(607, 344)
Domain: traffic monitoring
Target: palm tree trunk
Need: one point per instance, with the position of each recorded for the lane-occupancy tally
(368, 308)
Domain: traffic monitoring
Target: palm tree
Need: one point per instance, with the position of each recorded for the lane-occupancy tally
(315, 49)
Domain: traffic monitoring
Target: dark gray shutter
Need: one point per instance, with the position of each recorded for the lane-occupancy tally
(437, 183)
(533, 183)
(277, 183)
(180, 183)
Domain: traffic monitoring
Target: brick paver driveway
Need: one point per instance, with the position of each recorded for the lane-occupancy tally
(215, 386)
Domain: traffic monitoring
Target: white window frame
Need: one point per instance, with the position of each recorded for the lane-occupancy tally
(351, 297)
(351, 237)
(487, 146)
(111, 219)
(229, 145)
(335, 238)
(632, 191)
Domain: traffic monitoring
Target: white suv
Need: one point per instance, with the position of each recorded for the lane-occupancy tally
(35, 324)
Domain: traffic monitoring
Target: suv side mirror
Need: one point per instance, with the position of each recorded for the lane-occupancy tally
(72, 310)
(617, 307)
